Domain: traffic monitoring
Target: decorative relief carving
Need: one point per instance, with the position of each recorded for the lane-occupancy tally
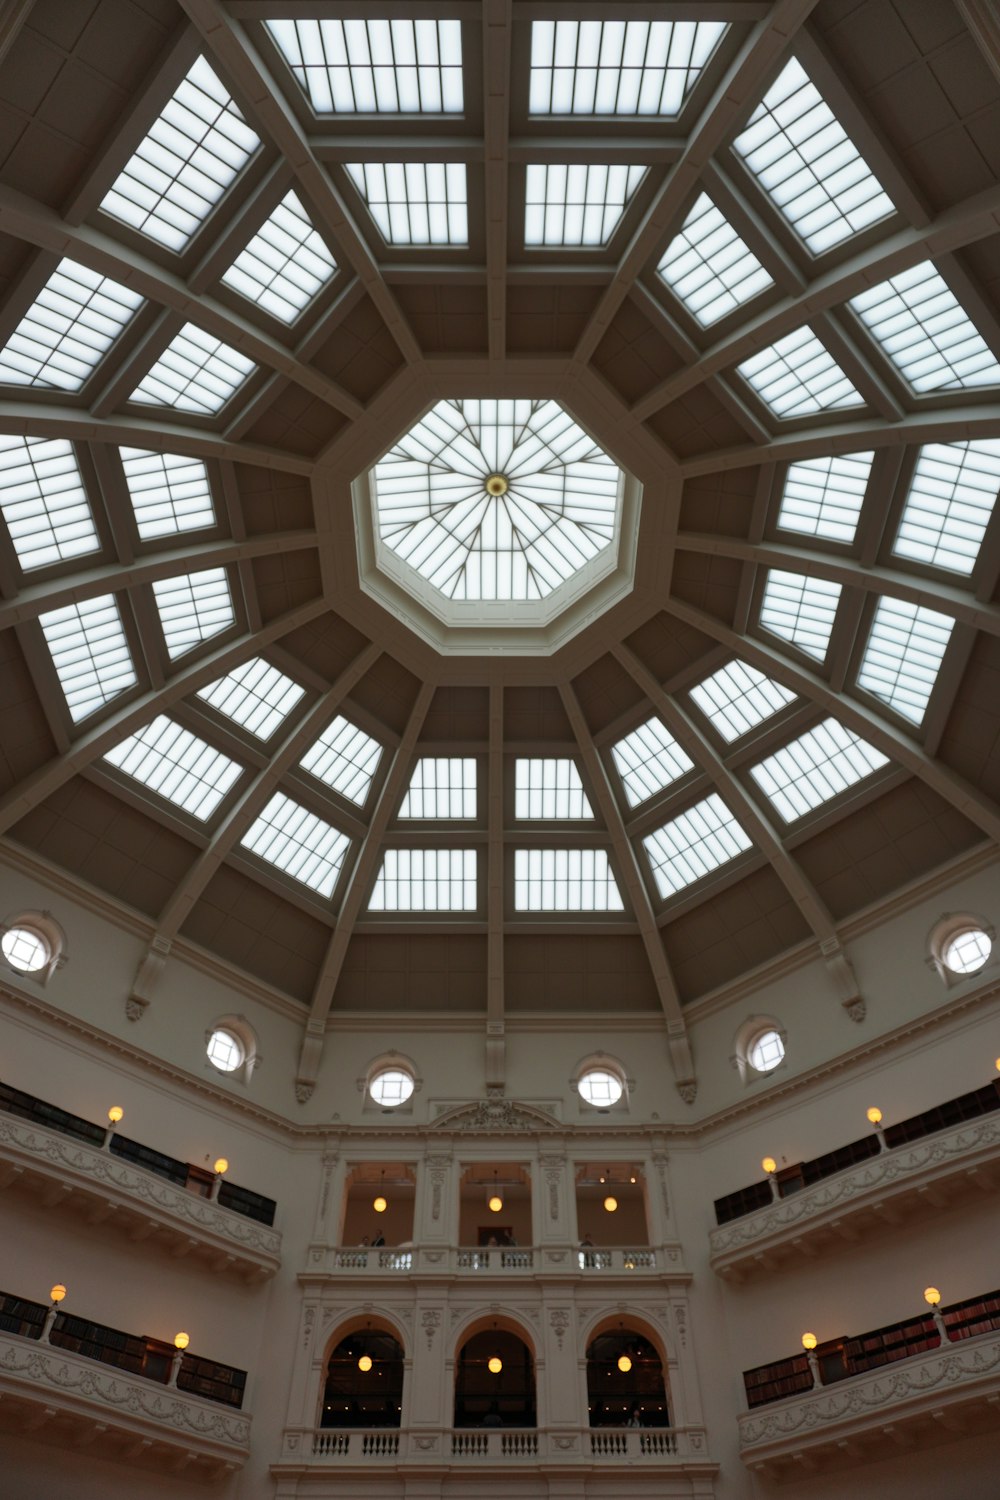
(496, 1114)
(552, 1166)
(680, 1318)
(660, 1164)
(856, 1008)
(304, 1091)
(438, 1167)
(559, 1323)
(688, 1091)
(430, 1322)
(308, 1321)
(135, 1007)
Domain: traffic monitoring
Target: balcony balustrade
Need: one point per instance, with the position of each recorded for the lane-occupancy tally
(496, 1260)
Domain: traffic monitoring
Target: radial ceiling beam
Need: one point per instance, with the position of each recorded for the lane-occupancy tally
(733, 99)
(358, 886)
(497, 29)
(628, 864)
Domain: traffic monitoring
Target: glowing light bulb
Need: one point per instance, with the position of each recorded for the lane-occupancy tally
(874, 1115)
(221, 1166)
(495, 1203)
(58, 1292)
(381, 1204)
(115, 1113)
(808, 1341)
(181, 1340)
(932, 1296)
(769, 1165)
(624, 1363)
(494, 1364)
(610, 1204)
(365, 1363)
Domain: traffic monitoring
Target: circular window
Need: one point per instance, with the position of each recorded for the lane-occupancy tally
(25, 950)
(766, 1051)
(225, 1051)
(391, 1087)
(967, 951)
(600, 1088)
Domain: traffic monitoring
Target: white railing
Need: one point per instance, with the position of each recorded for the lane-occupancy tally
(602, 1447)
(497, 1260)
(501, 1258)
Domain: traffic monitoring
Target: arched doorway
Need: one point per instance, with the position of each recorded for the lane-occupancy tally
(488, 1396)
(364, 1381)
(625, 1381)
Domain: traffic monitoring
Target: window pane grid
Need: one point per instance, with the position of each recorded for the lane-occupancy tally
(441, 787)
(375, 67)
(921, 326)
(415, 203)
(89, 652)
(169, 493)
(391, 1087)
(25, 950)
(564, 880)
(426, 880)
(44, 502)
(949, 505)
(819, 765)
(285, 264)
(67, 330)
(694, 844)
(823, 496)
(193, 608)
(298, 843)
(195, 373)
(967, 952)
(576, 204)
(800, 609)
(255, 695)
(345, 759)
(709, 267)
(177, 766)
(903, 656)
(807, 165)
(179, 171)
(737, 698)
(617, 67)
(797, 376)
(549, 790)
(647, 760)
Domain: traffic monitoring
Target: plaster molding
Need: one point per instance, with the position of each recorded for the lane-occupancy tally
(496, 1116)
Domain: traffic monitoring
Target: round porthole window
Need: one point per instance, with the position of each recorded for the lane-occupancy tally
(25, 950)
(600, 1088)
(765, 1052)
(967, 951)
(391, 1087)
(225, 1051)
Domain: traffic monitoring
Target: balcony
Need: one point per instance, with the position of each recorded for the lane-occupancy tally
(503, 1261)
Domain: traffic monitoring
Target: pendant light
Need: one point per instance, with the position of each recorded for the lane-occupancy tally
(494, 1201)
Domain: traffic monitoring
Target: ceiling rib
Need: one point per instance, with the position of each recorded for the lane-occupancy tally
(496, 1045)
(497, 26)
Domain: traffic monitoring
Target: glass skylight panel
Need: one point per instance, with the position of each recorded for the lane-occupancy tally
(193, 608)
(709, 267)
(426, 880)
(820, 764)
(694, 844)
(564, 880)
(415, 203)
(441, 787)
(823, 496)
(44, 502)
(196, 373)
(903, 656)
(355, 67)
(68, 329)
(576, 204)
(921, 326)
(179, 171)
(798, 375)
(800, 609)
(256, 696)
(737, 698)
(285, 264)
(176, 765)
(89, 652)
(952, 495)
(298, 843)
(806, 164)
(345, 759)
(549, 789)
(498, 500)
(647, 760)
(169, 493)
(617, 67)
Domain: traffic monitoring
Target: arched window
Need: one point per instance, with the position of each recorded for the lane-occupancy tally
(33, 945)
(495, 1381)
(625, 1385)
(364, 1381)
(960, 945)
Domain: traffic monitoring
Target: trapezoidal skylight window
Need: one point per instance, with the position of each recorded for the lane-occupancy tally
(694, 844)
(441, 787)
(816, 767)
(89, 652)
(903, 656)
(496, 500)
(564, 880)
(180, 170)
(576, 204)
(415, 203)
(285, 264)
(43, 501)
(823, 496)
(67, 330)
(426, 880)
(345, 759)
(949, 504)
(798, 375)
(737, 698)
(196, 373)
(808, 166)
(648, 760)
(800, 609)
(169, 493)
(193, 608)
(255, 695)
(918, 322)
(708, 266)
(177, 766)
(298, 843)
(356, 67)
(617, 67)
(549, 790)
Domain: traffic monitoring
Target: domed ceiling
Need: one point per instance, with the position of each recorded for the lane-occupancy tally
(500, 509)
